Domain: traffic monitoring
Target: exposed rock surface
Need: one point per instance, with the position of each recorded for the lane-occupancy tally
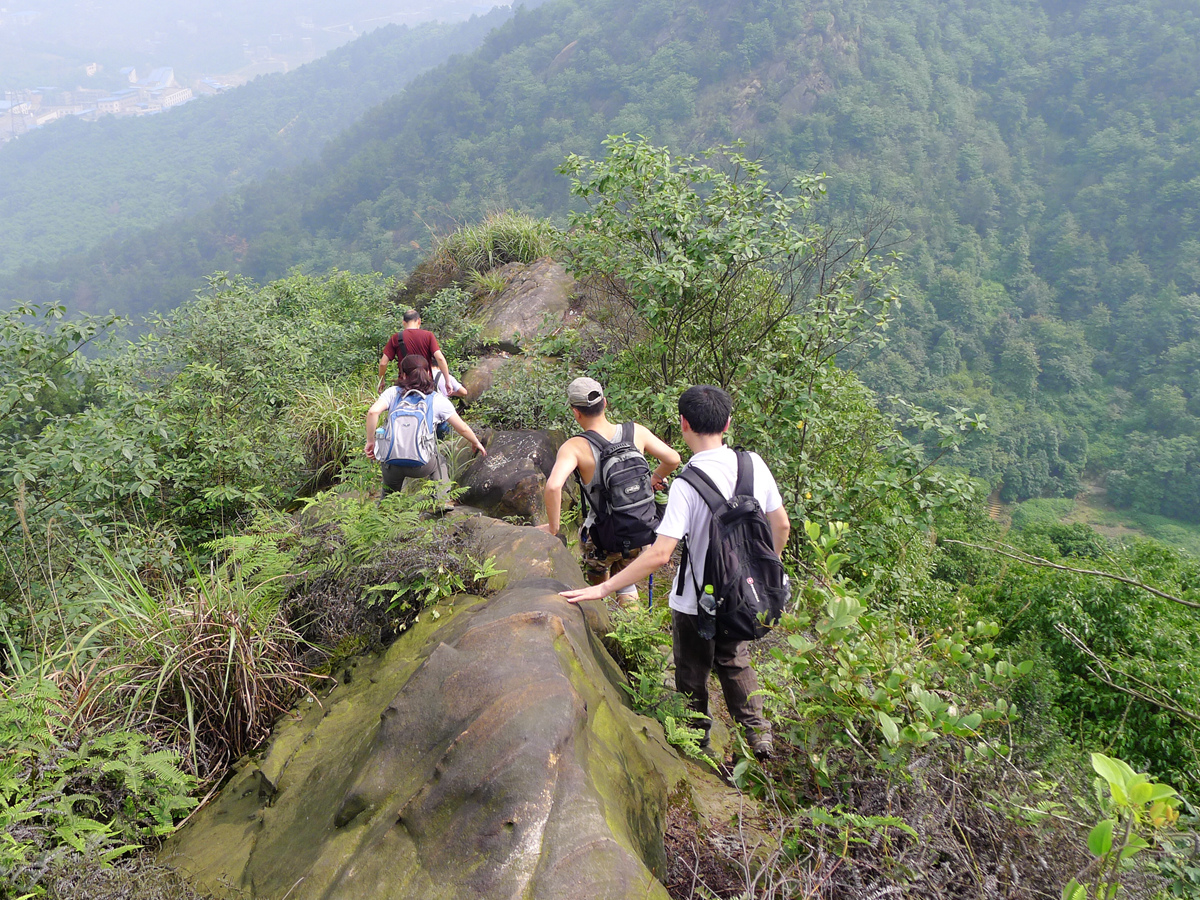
(537, 295)
(509, 481)
(481, 375)
(488, 753)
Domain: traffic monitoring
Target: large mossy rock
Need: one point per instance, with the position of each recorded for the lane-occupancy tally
(536, 300)
(487, 753)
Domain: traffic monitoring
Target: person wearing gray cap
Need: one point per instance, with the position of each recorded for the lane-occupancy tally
(581, 456)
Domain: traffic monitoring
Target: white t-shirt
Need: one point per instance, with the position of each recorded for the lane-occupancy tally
(688, 515)
(446, 388)
(442, 408)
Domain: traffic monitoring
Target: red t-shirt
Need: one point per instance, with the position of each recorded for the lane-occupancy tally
(415, 341)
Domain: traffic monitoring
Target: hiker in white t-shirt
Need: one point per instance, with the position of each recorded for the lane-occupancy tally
(415, 376)
(704, 417)
(447, 385)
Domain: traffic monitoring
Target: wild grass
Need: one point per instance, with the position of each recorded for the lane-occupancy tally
(209, 663)
(501, 238)
(328, 424)
(487, 284)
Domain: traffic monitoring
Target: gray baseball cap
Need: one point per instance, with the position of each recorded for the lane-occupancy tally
(584, 392)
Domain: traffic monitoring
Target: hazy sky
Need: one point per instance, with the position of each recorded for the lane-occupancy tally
(50, 42)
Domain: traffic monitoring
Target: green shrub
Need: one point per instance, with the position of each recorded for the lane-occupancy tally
(642, 640)
(447, 314)
(355, 573)
(529, 392)
(1120, 660)
(67, 793)
(850, 677)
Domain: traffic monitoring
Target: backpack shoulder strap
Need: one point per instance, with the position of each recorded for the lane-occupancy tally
(403, 342)
(626, 434)
(745, 475)
(703, 486)
(595, 440)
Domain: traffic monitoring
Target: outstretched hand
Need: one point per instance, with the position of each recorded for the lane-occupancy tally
(595, 592)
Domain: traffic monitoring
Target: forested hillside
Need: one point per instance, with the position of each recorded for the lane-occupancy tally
(67, 186)
(1038, 161)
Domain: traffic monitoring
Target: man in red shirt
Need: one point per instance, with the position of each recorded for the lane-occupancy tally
(413, 339)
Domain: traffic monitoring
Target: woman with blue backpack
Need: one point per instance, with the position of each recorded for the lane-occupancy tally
(405, 442)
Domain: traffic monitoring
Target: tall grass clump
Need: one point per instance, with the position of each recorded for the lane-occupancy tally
(209, 663)
(501, 238)
(327, 421)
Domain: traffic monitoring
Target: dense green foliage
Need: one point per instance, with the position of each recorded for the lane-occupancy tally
(1118, 660)
(1036, 161)
(148, 535)
(66, 187)
(159, 609)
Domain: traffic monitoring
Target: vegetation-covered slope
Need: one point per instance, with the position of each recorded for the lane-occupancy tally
(1038, 160)
(933, 703)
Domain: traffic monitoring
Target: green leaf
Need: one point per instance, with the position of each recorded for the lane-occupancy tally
(1114, 771)
(1133, 845)
(1100, 840)
(1074, 891)
(891, 730)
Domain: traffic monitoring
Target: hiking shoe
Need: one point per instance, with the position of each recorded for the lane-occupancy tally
(763, 748)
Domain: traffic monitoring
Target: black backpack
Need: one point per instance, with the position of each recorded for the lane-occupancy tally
(748, 581)
(628, 515)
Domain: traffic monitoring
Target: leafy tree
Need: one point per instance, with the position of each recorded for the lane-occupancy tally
(729, 285)
(712, 259)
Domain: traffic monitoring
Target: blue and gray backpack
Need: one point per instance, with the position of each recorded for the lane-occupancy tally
(408, 438)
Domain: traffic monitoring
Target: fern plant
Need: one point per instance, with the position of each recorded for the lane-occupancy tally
(99, 793)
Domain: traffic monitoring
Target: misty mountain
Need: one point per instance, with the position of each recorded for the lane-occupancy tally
(1040, 161)
(71, 184)
(50, 42)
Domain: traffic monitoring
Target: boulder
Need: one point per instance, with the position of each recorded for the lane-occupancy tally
(536, 301)
(509, 481)
(487, 753)
(481, 376)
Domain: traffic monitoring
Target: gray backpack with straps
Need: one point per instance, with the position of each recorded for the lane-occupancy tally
(627, 516)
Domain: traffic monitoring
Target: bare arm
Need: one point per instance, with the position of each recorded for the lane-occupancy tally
(383, 364)
(464, 429)
(647, 562)
(564, 464)
(372, 423)
(668, 458)
(781, 527)
(440, 358)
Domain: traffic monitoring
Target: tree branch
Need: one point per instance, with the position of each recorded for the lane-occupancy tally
(1046, 564)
